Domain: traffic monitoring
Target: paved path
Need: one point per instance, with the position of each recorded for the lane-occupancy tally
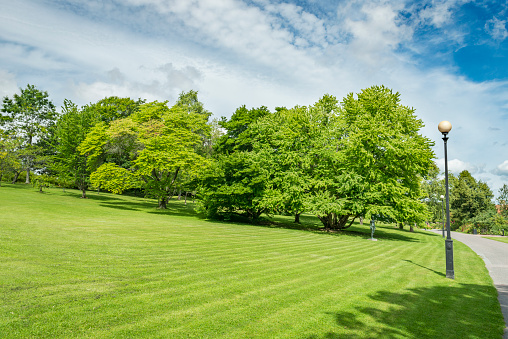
(495, 255)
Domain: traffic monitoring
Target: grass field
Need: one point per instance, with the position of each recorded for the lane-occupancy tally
(501, 239)
(115, 267)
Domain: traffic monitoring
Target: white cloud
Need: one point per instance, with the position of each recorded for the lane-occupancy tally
(497, 29)
(377, 33)
(502, 169)
(151, 83)
(8, 84)
(456, 166)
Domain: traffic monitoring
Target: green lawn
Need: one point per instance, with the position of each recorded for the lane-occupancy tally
(115, 267)
(501, 239)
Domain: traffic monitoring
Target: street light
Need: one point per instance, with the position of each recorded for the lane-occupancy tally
(442, 211)
(445, 127)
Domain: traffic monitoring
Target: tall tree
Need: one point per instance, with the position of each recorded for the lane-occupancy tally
(30, 115)
(71, 130)
(469, 198)
(386, 153)
(235, 183)
(149, 149)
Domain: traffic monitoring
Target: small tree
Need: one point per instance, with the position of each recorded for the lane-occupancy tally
(30, 115)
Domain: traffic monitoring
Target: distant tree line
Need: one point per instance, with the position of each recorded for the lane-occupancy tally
(363, 157)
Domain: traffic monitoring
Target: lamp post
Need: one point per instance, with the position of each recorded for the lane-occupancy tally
(445, 127)
(442, 211)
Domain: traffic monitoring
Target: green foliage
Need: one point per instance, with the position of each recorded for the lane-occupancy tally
(433, 195)
(153, 146)
(71, 130)
(238, 136)
(487, 222)
(41, 181)
(9, 155)
(30, 116)
(233, 185)
(113, 108)
(364, 158)
(469, 198)
(190, 103)
(113, 178)
(385, 149)
(502, 201)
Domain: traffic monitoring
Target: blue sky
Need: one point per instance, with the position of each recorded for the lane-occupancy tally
(448, 59)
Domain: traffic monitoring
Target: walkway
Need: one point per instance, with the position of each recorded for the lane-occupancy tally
(495, 255)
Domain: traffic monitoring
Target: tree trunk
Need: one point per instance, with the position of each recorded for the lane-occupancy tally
(16, 175)
(333, 221)
(297, 218)
(163, 203)
(411, 229)
(401, 226)
(27, 180)
(83, 193)
(179, 194)
(185, 197)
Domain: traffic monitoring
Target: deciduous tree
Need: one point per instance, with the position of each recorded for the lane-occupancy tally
(30, 115)
(71, 130)
(469, 198)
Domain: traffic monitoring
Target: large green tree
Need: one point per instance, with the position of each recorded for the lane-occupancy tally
(234, 185)
(148, 149)
(71, 130)
(236, 182)
(386, 154)
(30, 115)
(469, 198)
(364, 158)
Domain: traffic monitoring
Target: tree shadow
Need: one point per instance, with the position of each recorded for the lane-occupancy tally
(457, 311)
(357, 230)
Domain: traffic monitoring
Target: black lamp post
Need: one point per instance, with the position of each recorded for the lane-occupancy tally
(442, 211)
(445, 127)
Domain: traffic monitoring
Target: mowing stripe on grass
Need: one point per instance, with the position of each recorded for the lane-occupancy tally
(73, 268)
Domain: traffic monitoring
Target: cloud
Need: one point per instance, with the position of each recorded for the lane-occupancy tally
(496, 29)
(8, 84)
(377, 32)
(501, 169)
(151, 83)
(456, 166)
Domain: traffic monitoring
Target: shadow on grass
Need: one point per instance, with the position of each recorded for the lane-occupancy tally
(459, 311)
(356, 230)
(430, 269)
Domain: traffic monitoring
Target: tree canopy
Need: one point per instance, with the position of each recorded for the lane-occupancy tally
(29, 115)
(364, 157)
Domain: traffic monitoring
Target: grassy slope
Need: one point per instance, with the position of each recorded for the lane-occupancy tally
(114, 266)
(501, 239)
